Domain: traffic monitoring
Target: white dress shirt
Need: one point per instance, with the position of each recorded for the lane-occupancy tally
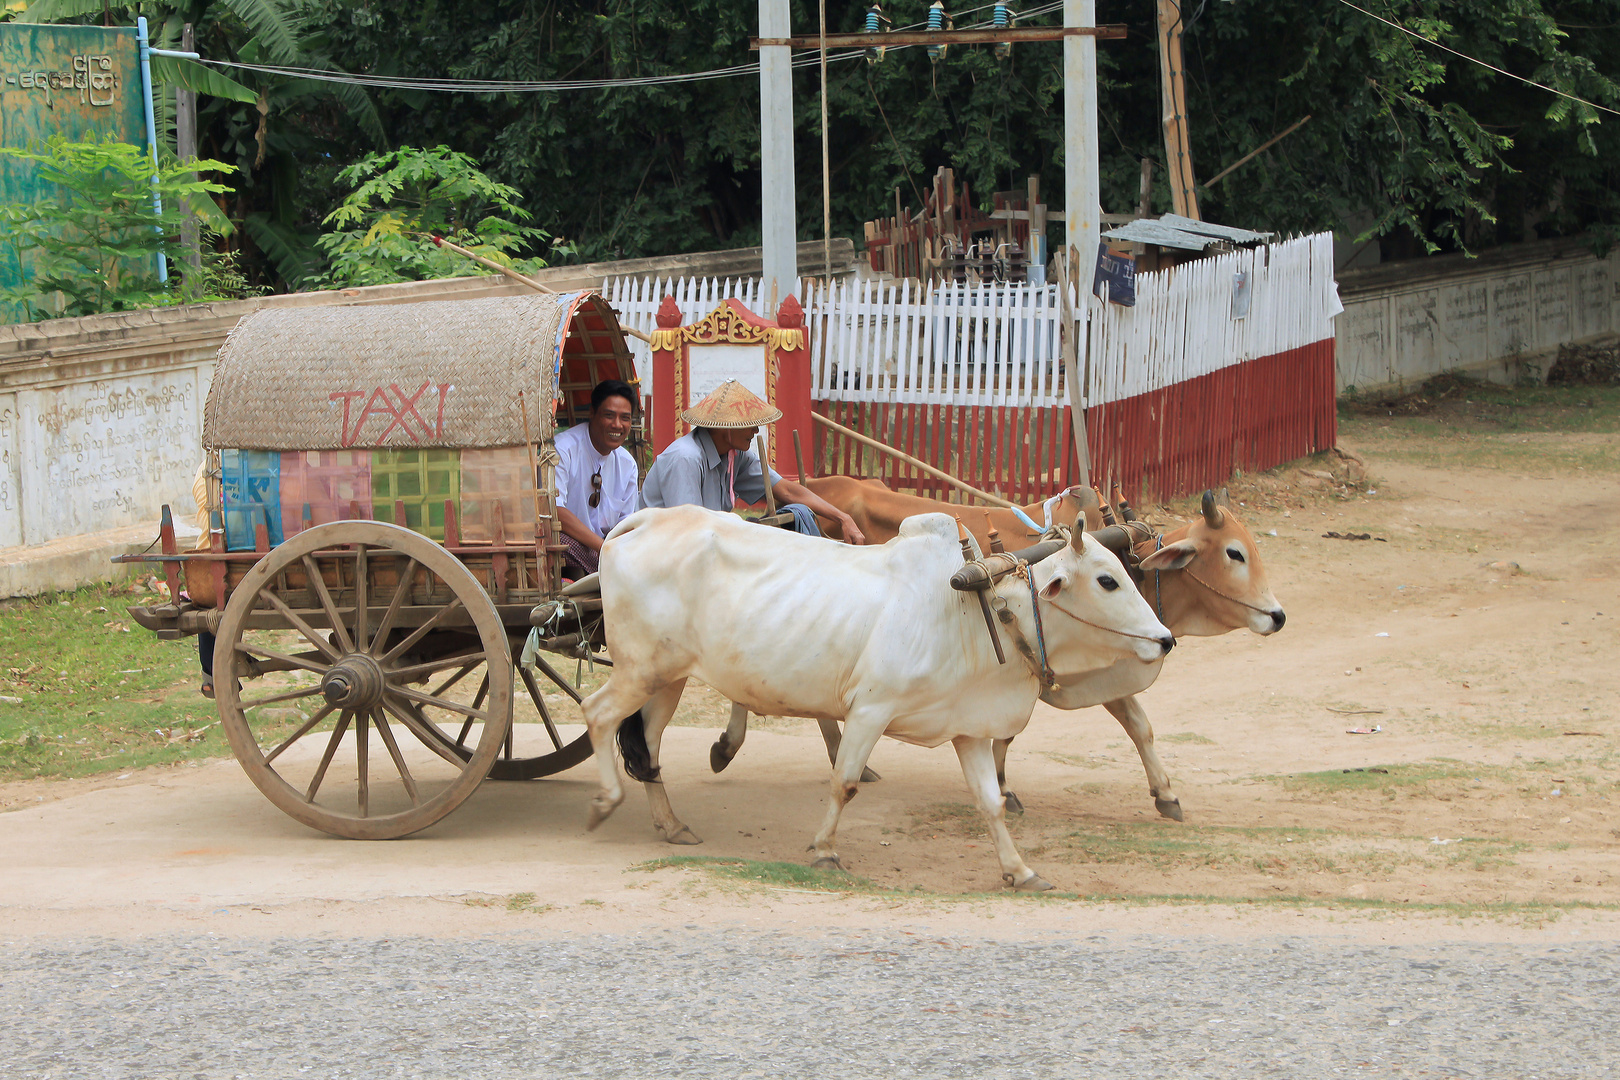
(579, 463)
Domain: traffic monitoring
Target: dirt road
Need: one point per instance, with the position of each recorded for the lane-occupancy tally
(1477, 635)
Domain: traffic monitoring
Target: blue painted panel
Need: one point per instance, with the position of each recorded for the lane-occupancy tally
(251, 483)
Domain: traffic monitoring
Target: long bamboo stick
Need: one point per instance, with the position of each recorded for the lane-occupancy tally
(985, 496)
(521, 279)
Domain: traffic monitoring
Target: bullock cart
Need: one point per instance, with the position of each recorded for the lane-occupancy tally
(381, 541)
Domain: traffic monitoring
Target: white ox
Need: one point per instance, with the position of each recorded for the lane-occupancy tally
(790, 625)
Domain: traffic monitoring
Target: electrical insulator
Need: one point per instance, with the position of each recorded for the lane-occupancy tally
(1001, 17)
(937, 20)
(876, 23)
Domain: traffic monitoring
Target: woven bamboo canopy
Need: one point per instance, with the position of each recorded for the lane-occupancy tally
(449, 374)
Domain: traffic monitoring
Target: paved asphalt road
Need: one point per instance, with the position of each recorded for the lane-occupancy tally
(708, 1003)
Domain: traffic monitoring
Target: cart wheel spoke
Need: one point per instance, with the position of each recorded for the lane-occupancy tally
(387, 735)
(361, 597)
(326, 758)
(315, 639)
(470, 659)
(309, 725)
(282, 658)
(291, 695)
(421, 631)
(440, 703)
(362, 755)
(540, 706)
(319, 584)
(426, 731)
(556, 677)
(452, 680)
(401, 590)
(478, 699)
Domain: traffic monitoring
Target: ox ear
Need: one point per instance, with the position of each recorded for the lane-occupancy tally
(1171, 556)
(1053, 586)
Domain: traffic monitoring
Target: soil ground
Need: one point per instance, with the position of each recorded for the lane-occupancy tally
(1475, 631)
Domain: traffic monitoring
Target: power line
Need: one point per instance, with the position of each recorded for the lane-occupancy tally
(1481, 63)
(512, 86)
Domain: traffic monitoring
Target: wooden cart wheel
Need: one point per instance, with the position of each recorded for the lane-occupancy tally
(362, 614)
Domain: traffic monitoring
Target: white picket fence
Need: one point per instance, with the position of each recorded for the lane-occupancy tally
(893, 341)
(1000, 344)
(1188, 321)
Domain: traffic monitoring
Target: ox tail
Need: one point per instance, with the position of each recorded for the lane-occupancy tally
(633, 746)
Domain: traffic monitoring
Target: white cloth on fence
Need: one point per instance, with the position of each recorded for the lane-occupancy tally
(579, 461)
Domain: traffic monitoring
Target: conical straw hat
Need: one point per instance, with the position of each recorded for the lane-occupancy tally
(731, 406)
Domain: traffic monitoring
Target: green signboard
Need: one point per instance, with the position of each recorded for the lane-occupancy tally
(74, 81)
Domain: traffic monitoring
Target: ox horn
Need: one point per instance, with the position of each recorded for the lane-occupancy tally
(1212, 513)
(1077, 535)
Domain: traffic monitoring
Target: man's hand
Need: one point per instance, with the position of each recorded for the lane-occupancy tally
(791, 491)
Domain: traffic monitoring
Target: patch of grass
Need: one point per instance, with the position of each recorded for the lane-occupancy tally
(1187, 737)
(519, 901)
(97, 692)
(1076, 761)
(767, 872)
(1384, 778)
(1449, 403)
(1271, 850)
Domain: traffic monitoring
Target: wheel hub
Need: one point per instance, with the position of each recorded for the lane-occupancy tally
(355, 682)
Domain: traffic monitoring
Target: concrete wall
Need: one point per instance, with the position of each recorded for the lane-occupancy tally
(101, 417)
(1501, 316)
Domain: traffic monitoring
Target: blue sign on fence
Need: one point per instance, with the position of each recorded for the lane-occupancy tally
(1118, 271)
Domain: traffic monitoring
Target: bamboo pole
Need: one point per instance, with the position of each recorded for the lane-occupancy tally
(521, 279)
(985, 496)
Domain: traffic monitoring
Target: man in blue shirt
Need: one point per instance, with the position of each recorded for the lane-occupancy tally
(715, 464)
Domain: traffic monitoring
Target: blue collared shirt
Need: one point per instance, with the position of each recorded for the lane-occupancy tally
(691, 471)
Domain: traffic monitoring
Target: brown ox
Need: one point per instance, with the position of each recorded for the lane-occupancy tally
(1203, 579)
(879, 511)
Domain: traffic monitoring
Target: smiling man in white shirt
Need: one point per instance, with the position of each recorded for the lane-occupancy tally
(596, 476)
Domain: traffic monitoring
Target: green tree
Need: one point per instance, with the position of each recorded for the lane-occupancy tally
(403, 197)
(1411, 143)
(94, 244)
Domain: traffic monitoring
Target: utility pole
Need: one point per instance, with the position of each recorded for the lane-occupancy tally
(185, 145)
(1082, 210)
(1082, 191)
(778, 220)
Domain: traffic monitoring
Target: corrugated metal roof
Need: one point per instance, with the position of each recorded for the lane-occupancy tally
(1146, 231)
(1185, 234)
(1223, 232)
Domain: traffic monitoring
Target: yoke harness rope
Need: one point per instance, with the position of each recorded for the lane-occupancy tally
(1158, 591)
(1223, 596)
(1047, 675)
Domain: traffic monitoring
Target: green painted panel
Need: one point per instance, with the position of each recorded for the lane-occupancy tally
(422, 480)
(73, 81)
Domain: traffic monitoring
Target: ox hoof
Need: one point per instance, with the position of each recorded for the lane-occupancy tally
(1011, 803)
(683, 836)
(1033, 883)
(1170, 808)
(718, 758)
(869, 775)
(827, 862)
(601, 809)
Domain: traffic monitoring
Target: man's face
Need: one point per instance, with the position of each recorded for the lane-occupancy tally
(610, 423)
(734, 438)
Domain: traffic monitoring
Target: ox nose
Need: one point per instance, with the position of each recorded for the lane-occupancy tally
(1167, 643)
(1278, 617)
